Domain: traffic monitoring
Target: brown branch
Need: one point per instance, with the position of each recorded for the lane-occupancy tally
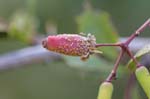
(112, 75)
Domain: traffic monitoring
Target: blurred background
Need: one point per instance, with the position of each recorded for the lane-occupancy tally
(28, 71)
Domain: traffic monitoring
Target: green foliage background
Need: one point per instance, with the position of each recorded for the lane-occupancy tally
(57, 80)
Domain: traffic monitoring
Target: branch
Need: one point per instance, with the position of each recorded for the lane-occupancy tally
(25, 56)
(137, 43)
(36, 54)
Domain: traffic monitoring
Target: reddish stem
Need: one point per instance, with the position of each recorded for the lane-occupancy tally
(107, 44)
(138, 31)
(132, 57)
(112, 75)
(133, 36)
(124, 48)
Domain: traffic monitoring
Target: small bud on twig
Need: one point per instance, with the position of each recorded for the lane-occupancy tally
(71, 44)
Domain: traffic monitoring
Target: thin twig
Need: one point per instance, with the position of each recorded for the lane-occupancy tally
(107, 44)
(131, 38)
(133, 58)
(125, 49)
(138, 31)
(114, 70)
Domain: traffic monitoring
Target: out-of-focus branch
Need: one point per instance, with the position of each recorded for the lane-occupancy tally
(37, 54)
(26, 56)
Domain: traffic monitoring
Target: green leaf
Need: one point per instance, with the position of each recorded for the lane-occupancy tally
(145, 50)
(92, 64)
(135, 92)
(22, 27)
(100, 25)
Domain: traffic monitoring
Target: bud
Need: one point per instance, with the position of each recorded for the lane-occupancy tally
(143, 77)
(105, 91)
(71, 44)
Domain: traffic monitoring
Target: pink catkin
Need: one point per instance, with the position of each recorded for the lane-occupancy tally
(68, 44)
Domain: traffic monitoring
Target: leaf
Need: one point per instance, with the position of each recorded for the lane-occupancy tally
(99, 24)
(145, 50)
(92, 64)
(22, 27)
